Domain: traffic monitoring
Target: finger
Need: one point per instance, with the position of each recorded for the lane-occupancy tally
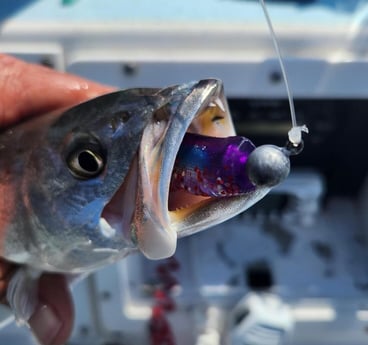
(53, 319)
(28, 89)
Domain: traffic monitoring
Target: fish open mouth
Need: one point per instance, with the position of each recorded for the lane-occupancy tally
(159, 215)
(212, 119)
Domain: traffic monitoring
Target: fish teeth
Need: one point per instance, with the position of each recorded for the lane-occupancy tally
(106, 229)
(217, 103)
(182, 207)
(220, 104)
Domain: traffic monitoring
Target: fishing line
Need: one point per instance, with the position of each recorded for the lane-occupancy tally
(295, 133)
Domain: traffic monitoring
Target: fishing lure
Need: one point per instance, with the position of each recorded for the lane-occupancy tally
(210, 166)
(222, 167)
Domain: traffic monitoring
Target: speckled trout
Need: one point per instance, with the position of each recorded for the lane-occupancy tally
(88, 185)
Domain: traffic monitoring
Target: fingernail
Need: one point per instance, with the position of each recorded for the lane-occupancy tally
(45, 325)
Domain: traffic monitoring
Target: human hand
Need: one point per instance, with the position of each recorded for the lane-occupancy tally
(30, 90)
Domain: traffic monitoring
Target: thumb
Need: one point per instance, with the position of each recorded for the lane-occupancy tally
(44, 303)
(52, 321)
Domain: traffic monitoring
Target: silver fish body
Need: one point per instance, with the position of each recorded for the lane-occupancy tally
(88, 185)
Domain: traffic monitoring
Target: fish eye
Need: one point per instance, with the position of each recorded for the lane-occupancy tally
(86, 162)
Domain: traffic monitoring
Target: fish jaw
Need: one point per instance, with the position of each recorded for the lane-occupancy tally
(162, 216)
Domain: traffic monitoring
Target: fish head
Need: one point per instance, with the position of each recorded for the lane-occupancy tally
(98, 176)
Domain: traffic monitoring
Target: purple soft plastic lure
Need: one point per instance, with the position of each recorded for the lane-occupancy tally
(216, 167)
(212, 166)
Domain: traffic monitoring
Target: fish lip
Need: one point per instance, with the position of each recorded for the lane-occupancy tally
(155, 227)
